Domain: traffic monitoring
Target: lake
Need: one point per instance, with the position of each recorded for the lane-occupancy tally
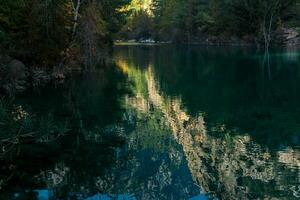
(169, 122)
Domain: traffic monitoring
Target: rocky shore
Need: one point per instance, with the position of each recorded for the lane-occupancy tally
(16, 77)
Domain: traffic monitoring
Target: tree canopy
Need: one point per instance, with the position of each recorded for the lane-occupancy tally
(40, 32)
(189, 20)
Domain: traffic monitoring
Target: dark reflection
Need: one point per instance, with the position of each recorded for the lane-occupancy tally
(68, 166)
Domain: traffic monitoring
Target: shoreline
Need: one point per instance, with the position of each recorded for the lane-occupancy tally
(217, 44)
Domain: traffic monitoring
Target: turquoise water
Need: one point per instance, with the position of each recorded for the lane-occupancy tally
(170, 122)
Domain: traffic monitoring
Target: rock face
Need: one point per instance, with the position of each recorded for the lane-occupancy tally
(14, 76)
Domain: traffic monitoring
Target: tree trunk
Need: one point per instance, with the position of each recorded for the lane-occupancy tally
(75, 13)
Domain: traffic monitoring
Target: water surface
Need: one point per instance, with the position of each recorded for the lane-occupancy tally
(171, 122)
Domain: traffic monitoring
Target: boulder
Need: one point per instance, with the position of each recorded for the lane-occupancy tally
(14, 76)
(16, 71)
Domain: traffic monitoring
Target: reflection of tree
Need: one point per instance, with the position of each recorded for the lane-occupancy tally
(231, 166)
(266, 63)
(231, 89)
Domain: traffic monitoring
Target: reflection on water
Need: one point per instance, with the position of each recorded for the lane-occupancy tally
(197, 123)
(238, 126)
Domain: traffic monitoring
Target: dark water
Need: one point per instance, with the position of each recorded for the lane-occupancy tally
(169, 122)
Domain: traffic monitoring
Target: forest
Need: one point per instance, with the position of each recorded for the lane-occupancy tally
(53, 33)
(252, 21)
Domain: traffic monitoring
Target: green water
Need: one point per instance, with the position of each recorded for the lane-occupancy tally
(170, 122)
